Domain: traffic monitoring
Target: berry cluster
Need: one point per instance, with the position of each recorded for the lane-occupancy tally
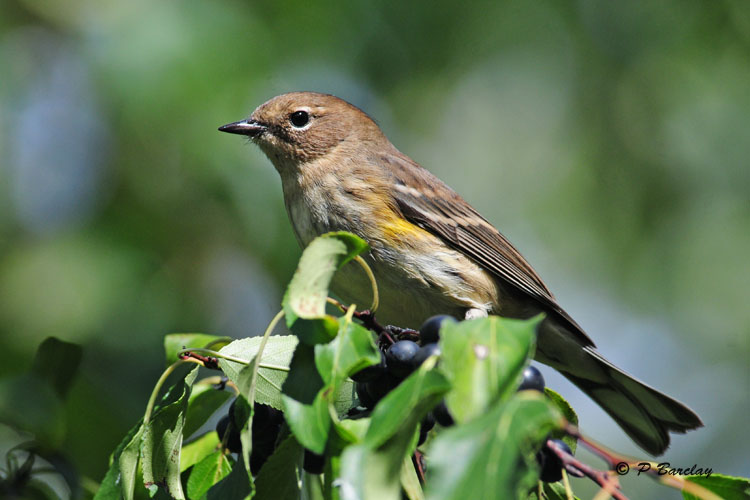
(398, 361)
(550, 464)
(267, 422)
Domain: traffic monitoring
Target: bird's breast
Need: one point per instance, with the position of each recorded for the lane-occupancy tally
(418, 275)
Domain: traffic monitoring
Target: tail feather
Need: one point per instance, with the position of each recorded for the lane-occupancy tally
(645, 414)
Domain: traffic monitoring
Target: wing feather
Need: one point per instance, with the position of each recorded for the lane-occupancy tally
(441, 211)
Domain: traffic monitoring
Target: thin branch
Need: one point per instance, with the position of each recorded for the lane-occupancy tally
(155, 392)
(621, 462)
(603, 479)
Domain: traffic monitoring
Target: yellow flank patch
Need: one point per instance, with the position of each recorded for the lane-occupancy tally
(400, 229)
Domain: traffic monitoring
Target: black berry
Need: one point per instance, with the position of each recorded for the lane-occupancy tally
(425, 352)
(429, 332)
(371, 372)
(549, 463)
(267, 423)
(234, 444)
(442, 415)
(399, 358)
(364, 396)
(428, 422)
(378, 388)
(313, 463)
(422, 436)
(532, 380)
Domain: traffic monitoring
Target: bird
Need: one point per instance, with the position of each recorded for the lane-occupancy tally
(430, 251)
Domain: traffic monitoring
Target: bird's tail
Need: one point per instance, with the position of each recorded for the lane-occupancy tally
(644, 413)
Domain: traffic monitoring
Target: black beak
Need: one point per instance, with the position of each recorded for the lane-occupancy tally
(249, 128)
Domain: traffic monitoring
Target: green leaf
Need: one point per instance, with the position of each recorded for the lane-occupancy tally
(318, 382)
(373, 469)
(162, 439)
(109, 488)
(570, 415)
(344, 397)
(127, 463)
(243, 414)
(353, 430)
(235, 486)
(550, 491)
(304, 381)
(208, 472)
(194, 452)
(313, 488)
(306, 294)
(483, 360)
(409, 481)
(175, 342)
(204, 401)
(57, 362)
(368, 472)
(726, 487)
(492, 455)
(278, 479)
(351, 350)
(315, 331)
(273, 371)
(310, 424)
(406, 405)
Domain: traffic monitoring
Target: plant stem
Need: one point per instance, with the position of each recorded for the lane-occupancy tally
(152, 400)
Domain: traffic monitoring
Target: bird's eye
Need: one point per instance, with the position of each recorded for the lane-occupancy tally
(299, 118)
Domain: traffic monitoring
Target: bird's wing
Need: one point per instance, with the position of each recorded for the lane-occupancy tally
(441, 211)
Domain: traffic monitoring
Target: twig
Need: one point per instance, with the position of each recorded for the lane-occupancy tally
(616, 461)
(418, 460)
(601, 478)
(209, 362)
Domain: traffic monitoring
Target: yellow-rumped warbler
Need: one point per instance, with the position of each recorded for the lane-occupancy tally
(431, 252)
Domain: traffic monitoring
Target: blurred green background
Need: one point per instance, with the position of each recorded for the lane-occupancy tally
(610, 141)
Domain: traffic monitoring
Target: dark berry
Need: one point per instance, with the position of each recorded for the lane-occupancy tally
(428, 422)
(264, 443)
(266, 427)
(234, 444)
(313, 463)
(429, 332)
(425, 352)
(532, 380)
(364, 396)
(399, 358)
(265, 416)
(549, 463)
(378, 388)
(442, 415)
(422, 436)
(371, 372)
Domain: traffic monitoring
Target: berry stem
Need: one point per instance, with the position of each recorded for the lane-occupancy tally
(599, 477)
(418, 460)
(371, 277)
(613, 459)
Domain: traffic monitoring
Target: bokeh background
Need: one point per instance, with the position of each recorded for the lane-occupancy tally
(610, 141)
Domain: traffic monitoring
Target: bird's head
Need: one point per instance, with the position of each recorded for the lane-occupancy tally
(299, 127)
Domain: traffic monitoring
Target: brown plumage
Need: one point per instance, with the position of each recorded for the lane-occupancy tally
(431, 252)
